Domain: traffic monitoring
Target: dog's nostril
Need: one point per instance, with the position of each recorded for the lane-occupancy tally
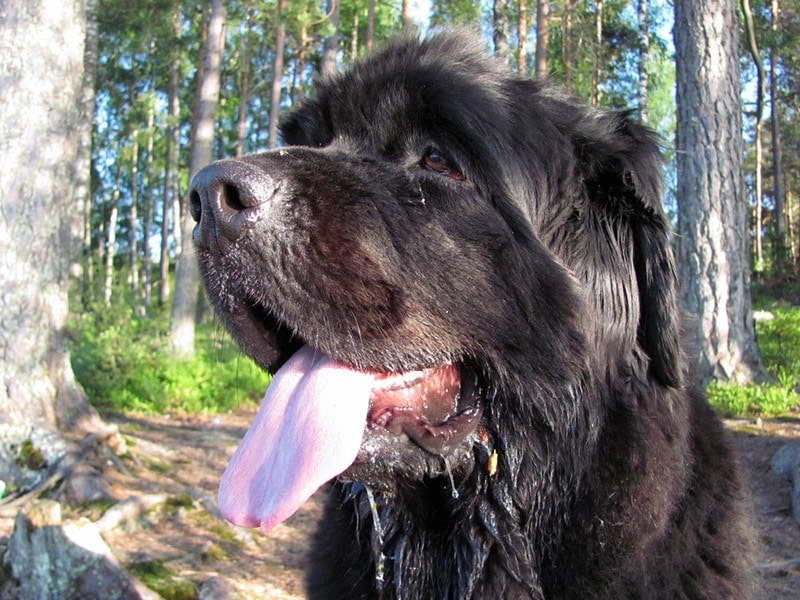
(227, 197)
(195, 205)
(231, 198)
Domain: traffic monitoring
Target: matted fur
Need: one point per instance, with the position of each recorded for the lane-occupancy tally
(548, 274)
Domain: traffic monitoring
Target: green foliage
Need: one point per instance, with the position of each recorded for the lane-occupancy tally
(779, 341)
(123, 364)
(455, 12)
(159, 579)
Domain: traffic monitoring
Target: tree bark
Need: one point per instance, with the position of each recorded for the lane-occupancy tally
(187, 278)
(644, 55)
(354, 38)
(370, 25)
(244, 85)
(405, 14)
(331, 46)
(172, 156)
(43, 123)
(111, 241)
(149, 205)
(752, 45)
(500, 29)
(83, 191)
(133, 225)
(542, 27)
(277, 76)
(522, 38)
(569, 7)
(712, 216)
(597, 56)
(777, 153)
(50, 558)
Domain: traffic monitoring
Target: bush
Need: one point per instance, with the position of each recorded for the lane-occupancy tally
(779, 342)
(123, 364)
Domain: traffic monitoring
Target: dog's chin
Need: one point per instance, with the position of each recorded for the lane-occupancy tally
(389, 462)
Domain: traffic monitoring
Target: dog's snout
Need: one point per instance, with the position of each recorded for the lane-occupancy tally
(224, 196)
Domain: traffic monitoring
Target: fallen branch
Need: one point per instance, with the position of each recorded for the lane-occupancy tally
(777, 567)
(128, 509)
(70, 463)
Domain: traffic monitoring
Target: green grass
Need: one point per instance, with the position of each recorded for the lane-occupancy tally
(124, 365)
(779, 342)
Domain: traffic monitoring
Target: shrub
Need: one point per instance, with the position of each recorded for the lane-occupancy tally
(779, 342)
(123, 364)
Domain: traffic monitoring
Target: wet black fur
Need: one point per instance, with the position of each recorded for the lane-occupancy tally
(548, 271)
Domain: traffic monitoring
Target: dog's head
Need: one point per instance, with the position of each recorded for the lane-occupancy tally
(430, 267)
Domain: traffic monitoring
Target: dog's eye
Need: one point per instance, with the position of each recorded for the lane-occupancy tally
(434, 161)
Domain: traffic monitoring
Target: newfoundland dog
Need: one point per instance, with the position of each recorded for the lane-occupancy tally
(462, 281)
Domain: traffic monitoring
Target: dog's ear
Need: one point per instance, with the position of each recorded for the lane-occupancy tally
(307, 125)
(622, 164)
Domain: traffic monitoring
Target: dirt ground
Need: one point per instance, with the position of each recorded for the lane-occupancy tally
(184, 458)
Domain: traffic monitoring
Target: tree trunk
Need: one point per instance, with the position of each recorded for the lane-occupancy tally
(133, 227)
(370, 25)
(331, 46)
(111, 241)
(500, 29)
(43, 122)
(244, 86)
(149, 206)
(712, 215)
(277, 76)
(172, 156)
(83, 170)
(354, 38)
(187, 278)
(522, 35)
(752, 45)
(777, 154)
(569, 6)
(405, 14)
(644, 54)
(597, 56)
(542, 26)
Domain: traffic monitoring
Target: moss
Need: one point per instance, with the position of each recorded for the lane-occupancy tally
(222, 531)
(159, 467)
(95, 509)
(158, 578)
(30, 457)
(214, 553)
(180, 501)
(6, 574)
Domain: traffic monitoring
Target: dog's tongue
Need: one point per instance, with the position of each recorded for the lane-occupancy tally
(307, 431)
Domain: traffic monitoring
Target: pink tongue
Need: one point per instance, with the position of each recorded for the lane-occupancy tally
(307, 431)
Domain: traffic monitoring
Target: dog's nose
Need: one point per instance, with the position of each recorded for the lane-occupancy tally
(226, 197)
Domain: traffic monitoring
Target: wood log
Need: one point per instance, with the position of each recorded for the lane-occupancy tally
(51, 559)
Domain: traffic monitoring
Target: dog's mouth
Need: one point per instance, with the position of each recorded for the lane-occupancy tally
(322, 418)
(435, 407)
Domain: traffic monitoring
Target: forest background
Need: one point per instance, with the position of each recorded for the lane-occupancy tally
(99, 140)
(133, 341)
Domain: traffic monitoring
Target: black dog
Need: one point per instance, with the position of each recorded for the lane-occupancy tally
(465, 284)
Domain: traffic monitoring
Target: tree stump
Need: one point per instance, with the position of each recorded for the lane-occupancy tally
(786, 463)
(51, 559)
